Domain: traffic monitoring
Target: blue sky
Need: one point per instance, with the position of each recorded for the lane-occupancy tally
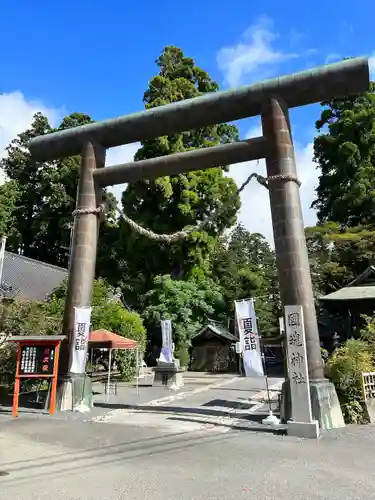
(97, 57)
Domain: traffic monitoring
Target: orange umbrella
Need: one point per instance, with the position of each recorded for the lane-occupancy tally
(103, 339)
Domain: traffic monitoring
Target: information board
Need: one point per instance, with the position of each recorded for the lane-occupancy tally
(37, 360)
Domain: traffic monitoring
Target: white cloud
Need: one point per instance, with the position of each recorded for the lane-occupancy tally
(121, 154)
(16, 115)
(253, 54)
(255, 212)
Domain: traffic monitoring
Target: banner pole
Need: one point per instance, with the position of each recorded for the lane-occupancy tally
(137, 370)
(271, 419)
(265, 374)
(109, 374)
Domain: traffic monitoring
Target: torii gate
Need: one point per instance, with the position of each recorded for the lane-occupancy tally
(271, 100)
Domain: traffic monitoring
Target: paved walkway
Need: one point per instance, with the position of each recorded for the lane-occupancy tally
(220, 406)
(183, 446)
(49, 459)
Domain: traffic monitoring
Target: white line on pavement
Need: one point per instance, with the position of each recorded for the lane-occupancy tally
(159, 402)
(186, 394)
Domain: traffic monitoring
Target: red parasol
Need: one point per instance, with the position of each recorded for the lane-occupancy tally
(109, 340)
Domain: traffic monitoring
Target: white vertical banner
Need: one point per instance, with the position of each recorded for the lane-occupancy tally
(297, 364)
(166, 334)
(82, 320)
(249, 338)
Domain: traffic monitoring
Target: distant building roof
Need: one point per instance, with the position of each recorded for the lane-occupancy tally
(361, 288)
(218, 332)
(352, 293)
(28, 278)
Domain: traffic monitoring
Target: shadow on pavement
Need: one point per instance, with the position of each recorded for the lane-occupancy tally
(171, 409)
(229, 404)
(226, 409)
(238, 426)
(72, 463)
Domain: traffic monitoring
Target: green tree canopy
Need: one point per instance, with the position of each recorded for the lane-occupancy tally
(39, 217)
(188, 303)
(338, 256)
(37, 201)
(345, 154)
(244, 266)
(172, 203)
(108, 312)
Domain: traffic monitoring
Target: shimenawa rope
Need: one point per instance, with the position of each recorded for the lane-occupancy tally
(181, 235)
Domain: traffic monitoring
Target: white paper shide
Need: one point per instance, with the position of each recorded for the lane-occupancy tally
(82, 320)
(297, 364)
(249, 338)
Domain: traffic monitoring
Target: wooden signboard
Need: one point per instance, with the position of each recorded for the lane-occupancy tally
(37, 358)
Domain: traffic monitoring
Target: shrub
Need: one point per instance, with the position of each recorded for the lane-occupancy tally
(182, 353)
(344, 368)
(114, 317)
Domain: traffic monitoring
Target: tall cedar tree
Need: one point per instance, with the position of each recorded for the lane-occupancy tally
(244, 266)
(345, 154)
(172, 203)
(37, 200)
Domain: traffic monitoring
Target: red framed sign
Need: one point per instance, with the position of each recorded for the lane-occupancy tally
(37, 358)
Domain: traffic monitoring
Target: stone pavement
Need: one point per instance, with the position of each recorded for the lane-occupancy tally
(184, 446)
(221, 406)
(50, 459)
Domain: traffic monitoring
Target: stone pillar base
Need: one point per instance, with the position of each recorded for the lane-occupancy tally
(74, 393)
(285, 404)
(309, 430)
(169, 377)
(325, 405)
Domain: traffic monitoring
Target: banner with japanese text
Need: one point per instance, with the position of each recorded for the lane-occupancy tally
(166, 354)
(82, 321)
(249, 338)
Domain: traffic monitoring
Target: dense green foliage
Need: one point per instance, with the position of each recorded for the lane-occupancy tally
(188, 303)
(243, 265)
(45, 318)
(37, 201)
(197, 279)
(338, 256)
(42, 196)
(342, 245)
(169, 204)
(344, 368)
(345, 154)
(190, 281)
(108, 313)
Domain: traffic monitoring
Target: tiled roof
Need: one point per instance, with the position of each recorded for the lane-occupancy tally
(352, 293)
(361, 288)
(218, 331)
(28, 278)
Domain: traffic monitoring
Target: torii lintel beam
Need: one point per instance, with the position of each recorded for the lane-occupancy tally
(347, 77)
(178, 163)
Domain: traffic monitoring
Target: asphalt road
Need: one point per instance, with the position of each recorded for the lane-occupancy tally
(50, 458)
